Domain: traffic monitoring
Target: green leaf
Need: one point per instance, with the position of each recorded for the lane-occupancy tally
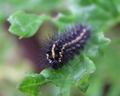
(84, 83)
(25, 25)
(97, 44)
(63, 78)
(31, 83)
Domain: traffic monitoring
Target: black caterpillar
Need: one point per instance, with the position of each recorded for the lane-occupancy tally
(60, 49)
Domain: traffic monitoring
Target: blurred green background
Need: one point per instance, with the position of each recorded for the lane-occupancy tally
(19, 56)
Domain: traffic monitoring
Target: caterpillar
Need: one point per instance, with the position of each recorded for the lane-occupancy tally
(61, 48)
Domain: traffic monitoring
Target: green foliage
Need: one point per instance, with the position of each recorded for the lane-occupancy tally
(62, 78)
(100, 15)
(31, 83)
(106, 74)
(84, 83)
(97, 45)
(24, 25)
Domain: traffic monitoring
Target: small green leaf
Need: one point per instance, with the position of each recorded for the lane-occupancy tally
(84, 83)
(67, 19)
(25, 25)
(30, 84)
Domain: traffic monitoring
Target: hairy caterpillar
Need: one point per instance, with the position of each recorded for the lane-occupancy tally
(61, 48)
